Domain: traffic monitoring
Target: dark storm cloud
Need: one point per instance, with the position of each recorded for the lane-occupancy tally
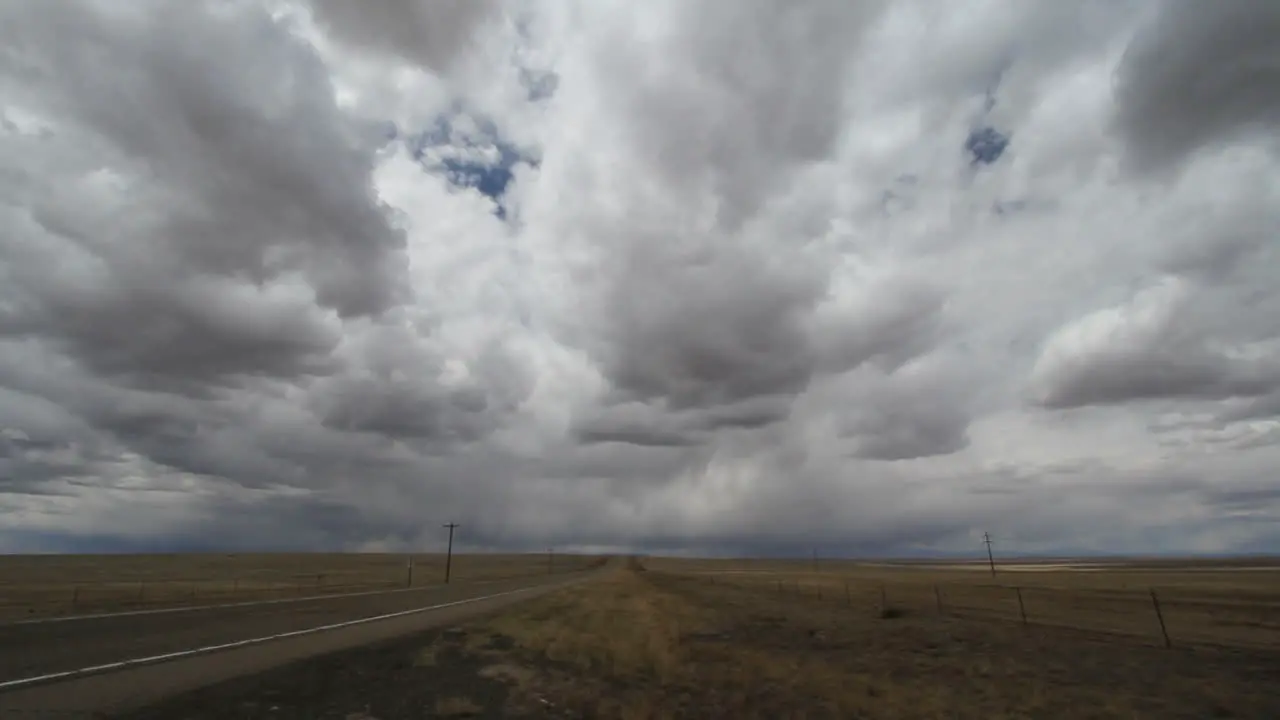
(231, 197)
(432, 33)
(700, 336)
(737, 340)
(637, 423)
(197, 232)
(709, 335)
(196, 331)
(625, 462)
(26, 465)
(908, 428)
(1262, 408)
(405, 409)
(750, 414)
(1165, 343)
(1157, 372)
(1201, 73)
(393, 391)
(644, 437)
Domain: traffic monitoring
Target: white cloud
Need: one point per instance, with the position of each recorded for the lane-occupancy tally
(747, 289)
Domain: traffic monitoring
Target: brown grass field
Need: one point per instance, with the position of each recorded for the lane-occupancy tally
(671, 641)
(1202, 603)
(47, 585)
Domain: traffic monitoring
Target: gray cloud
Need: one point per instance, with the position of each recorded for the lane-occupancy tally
(638, 423)
(912, 415)
(719, 102)
(1201, 73)
(231, 316)
(432, 33)
(708, 338)
(231, 197)
(1153, 347)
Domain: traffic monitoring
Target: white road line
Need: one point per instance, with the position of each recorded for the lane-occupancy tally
(246, 603)
(67, 674)
(193, 608)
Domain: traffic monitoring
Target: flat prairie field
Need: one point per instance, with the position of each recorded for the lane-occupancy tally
(36, 586)
(1192, 602)
(636, 643)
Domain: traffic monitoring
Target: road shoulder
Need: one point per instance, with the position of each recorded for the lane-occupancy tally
(135, 687)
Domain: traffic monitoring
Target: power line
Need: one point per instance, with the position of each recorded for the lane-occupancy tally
(448, 558)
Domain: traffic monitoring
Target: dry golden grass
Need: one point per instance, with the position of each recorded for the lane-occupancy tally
(1201, 604)
(457, 707)
(657, 645)
(41, 585)
(624, 627)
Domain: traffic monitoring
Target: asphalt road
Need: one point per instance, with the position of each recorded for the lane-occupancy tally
(39, 649)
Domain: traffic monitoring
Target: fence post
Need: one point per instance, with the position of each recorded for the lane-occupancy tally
(848, 599)
(75, 598)
(1022, 608)
(937, 596)
(1155, 602)
(884, 599)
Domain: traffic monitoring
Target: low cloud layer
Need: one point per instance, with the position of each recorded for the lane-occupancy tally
(755, 277)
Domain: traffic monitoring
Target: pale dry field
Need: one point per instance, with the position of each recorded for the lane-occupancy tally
(637, 643)
(1231, 604)
(33, 586)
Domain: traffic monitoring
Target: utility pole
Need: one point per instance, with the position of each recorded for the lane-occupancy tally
(448, 558)
(986, 539)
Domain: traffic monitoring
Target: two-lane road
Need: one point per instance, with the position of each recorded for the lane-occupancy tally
(112, 662)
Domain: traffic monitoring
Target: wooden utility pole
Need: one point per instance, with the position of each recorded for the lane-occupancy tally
(448, 557)
(986, 538)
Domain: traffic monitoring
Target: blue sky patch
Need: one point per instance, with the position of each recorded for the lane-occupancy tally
(469, 152)
(986, 145)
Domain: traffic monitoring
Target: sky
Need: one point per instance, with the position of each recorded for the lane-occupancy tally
(749, 277)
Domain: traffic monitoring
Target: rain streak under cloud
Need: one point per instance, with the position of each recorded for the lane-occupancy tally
(743, 277)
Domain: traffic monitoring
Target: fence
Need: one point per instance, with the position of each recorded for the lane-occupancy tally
(111, 584)
(1223, 617)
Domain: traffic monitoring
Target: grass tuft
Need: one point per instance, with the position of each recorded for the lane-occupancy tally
(456, 707)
